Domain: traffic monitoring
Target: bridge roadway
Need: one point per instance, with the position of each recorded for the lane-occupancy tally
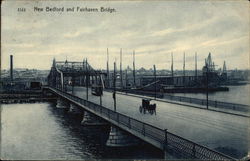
(219, 131)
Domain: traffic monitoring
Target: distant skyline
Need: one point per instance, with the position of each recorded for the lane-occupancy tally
(153, 29)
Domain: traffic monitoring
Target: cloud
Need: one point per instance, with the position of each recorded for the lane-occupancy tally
(219, 42)
(152, 29)
(17, 25)
(79, 32)
(187, 28)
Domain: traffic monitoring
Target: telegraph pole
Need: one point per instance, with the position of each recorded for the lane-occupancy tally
(121, 69)
(155, 80)
(126, 81)
(184, 69)
(72, 84)
(114, 86)
(101, 88)
(87, 79)
(134, 67)
(196, 74)
(11, 68)
(108, 82)
(207, 88)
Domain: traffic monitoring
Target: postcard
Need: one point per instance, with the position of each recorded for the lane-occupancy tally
(86, 80)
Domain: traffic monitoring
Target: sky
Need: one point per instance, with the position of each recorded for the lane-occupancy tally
(153, 29)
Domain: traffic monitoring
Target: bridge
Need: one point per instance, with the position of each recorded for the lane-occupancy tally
(176, 129)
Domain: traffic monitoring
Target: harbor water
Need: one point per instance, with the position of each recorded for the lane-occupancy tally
(42, 131)
(236, 94)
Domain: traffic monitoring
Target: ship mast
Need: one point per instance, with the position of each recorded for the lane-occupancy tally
(224, 70)
(172, 69)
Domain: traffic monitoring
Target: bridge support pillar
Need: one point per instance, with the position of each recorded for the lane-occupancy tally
(74, 109)
(61, 103)
(119, 138)
(91, 120)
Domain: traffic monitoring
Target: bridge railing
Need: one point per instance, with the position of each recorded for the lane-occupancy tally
(168, 141)
(211, 103)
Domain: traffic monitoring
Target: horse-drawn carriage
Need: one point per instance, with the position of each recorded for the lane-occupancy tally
(146, 106)
(97, 90)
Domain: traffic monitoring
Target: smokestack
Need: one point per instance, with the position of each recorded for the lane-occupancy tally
(11, 67)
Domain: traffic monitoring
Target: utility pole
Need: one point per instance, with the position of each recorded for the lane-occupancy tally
(87, 79)
(108, 82)
(196, 73)
(172, 69)
(11, 68)
(101, 88)
(184, 70)
(72, 85)
(121, 69)
(134, 67)
(114, 86)
(155, 80)
(126, 81)
(66, 85)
